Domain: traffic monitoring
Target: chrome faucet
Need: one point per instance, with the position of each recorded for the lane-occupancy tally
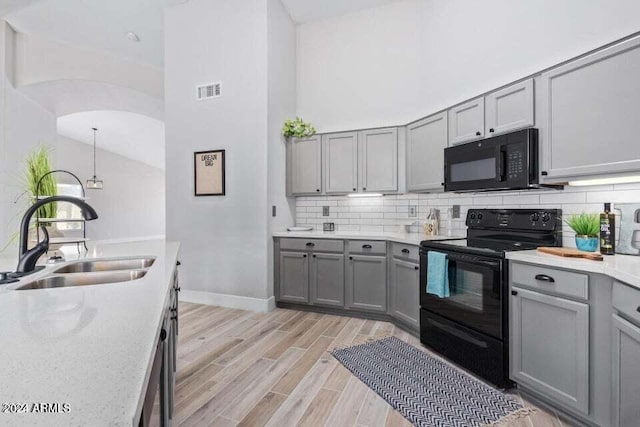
(28, 258)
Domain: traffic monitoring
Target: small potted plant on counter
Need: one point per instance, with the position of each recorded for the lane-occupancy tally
(587, 229)
(297, 128)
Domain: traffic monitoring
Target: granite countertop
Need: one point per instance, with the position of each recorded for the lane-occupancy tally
(408, 238)
(90, 347)
(624, 268)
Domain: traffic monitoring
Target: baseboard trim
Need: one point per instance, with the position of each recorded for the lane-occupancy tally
(230, 301)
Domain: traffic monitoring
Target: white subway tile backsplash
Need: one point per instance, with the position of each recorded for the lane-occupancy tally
(390, 213)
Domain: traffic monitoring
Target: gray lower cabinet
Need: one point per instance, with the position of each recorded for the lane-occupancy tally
(593, 99)
(327, 279)
(626, 373)
(304, 166)
(549, 349)
(366, 283)
(426, 141)
(294, 277)
(404, 291)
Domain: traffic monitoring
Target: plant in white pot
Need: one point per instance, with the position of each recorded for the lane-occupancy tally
(587, 229)
(297, 128)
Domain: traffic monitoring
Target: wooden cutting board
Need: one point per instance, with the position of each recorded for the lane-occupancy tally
(571, 253)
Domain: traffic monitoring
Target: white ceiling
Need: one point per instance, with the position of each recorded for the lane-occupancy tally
(103, 25)
(131, 135)
(302, 11)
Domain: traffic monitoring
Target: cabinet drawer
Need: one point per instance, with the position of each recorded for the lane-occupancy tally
(367, 247)
(400, 250)
(559, 282)
(318, 245)
(627, 300)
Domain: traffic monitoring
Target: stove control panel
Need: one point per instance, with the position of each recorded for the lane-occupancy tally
(515, 219)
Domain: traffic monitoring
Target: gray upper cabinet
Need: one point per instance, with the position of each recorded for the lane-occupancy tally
(379, 160)
(305, 165)
(327, 279)
(404, 292)
(549, 348)
(294, 277)
(592, 103)
(426, 141)
(340, 155)
(626, 373)
(466, 122)
(509, 109)
(366, 284)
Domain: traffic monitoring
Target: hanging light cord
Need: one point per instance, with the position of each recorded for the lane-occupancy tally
(94, 152)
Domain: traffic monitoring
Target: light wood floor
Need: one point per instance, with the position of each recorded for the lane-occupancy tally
(239, 368)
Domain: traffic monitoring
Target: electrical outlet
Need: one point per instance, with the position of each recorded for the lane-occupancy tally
(325, 211)
(413, 211)
(328, 226)
(455, 211)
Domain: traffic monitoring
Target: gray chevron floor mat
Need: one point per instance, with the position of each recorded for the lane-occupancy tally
(425, 390)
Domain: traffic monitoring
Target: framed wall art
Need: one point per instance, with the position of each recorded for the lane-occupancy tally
(208, 170)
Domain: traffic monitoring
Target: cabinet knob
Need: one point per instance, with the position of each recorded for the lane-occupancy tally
(491, 130)
(405, 251)
(544, 173)
(638, 309)
(318, 190)
(514, 293)
(304, 256)
(355, 189)
(442, 183)
(314, 255)
(416, 268)
(545, 278)
(351, 258)
(364, 188)
(178, 263)
(478, 133)
(163, 334)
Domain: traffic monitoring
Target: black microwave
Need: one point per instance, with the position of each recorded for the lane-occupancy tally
(504, 162)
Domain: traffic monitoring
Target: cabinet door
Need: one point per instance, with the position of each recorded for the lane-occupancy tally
(379, 160)
(510, 108)
(626, 373)
(426, 141)
(404, 291)
(588, 114)
(550, 347)
(466, 122)
(367, 283)
(305, 163)
(340, 162)
(327, 279)
(294, 277)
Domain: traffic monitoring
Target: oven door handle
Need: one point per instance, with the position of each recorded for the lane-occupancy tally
(492, 264)
(460, 334)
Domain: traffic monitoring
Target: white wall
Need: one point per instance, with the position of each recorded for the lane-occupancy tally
(24, 125)
(281, 70)
(393, 64)
(40, 60)
(224, 239)
(132, 203)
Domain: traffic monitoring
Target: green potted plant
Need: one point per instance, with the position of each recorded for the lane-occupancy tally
(297, 128)
(39, 165)
(587, 229)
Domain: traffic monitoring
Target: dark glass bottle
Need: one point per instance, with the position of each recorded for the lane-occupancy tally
(607, 231)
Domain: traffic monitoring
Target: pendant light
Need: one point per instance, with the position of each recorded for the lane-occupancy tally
(94, 183)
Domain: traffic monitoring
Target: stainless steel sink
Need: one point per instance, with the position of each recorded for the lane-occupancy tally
(84, 279)
(106, 265)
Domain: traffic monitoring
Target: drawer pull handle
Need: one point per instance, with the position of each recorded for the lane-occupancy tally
(366, 246)
(311, 244)
(514, 292)
(416, 268)
(405, 251)
(545, 278)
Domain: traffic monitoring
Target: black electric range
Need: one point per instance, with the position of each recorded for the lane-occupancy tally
(470, 327)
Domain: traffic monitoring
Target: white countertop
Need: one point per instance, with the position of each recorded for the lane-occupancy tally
(625, 268)
(408, 238)
(88, 346)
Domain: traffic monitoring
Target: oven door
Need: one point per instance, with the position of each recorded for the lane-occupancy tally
(475, 287)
